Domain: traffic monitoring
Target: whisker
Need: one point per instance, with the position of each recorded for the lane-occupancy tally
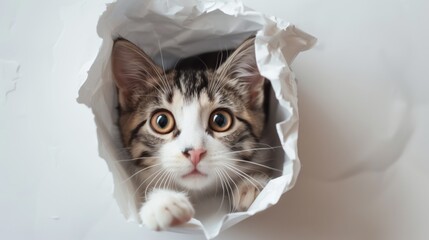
(141, 184)
(169, 179)
(253, 169)
(139, 171)
(229, 187)
(161, 178)
(255, 149)
(254, 163)
(147, 187)
(267, 145)
(174, 182)
(223, 189)
(246, 150)
(137, 158)
(244, 175)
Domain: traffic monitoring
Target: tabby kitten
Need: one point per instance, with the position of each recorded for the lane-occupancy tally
(192, 131)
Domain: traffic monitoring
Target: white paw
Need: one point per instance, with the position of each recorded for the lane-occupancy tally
(246, 192)
(166, 208)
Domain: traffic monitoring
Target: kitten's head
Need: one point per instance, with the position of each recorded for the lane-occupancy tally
(190, 127)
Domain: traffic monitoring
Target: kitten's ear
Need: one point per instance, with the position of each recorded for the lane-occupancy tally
(135, 73)
(242, 69)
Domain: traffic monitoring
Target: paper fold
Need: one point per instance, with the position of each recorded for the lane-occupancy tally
(178, 29)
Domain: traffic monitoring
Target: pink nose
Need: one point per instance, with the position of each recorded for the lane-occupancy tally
(195, 155)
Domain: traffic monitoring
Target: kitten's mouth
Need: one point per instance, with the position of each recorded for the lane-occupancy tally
(194, 173)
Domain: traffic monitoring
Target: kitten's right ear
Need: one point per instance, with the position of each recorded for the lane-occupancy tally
(134, 72)
(242, 69)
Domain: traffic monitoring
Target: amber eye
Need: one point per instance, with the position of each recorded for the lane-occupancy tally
(162, 122)
(220, 120)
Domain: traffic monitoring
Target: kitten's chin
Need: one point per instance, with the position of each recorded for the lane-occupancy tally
(196, 180)
(194, 174)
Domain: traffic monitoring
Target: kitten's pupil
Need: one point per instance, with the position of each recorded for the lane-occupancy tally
(162, 121)
(219, 119)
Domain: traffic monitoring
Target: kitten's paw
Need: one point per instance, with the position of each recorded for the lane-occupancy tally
(166, 208)
(246, 192)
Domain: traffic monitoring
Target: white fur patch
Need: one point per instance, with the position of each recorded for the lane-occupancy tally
(192, 120)
(166, 208)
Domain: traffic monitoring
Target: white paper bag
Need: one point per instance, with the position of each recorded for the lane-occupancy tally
(182, 28)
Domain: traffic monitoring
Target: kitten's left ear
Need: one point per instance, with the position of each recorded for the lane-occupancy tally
(135, 73)
(241, 67)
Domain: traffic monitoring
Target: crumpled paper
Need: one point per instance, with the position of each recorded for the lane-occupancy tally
(168, 30)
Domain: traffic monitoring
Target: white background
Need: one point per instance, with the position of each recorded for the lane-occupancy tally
(364, 132)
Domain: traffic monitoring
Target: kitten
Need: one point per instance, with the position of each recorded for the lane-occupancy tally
(192, 130)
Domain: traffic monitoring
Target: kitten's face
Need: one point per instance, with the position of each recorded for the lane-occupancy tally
(189, 127)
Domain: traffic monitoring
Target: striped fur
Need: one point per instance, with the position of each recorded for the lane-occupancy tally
(191, 91)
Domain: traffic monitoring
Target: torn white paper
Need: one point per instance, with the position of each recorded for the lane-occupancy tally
(184, 28)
